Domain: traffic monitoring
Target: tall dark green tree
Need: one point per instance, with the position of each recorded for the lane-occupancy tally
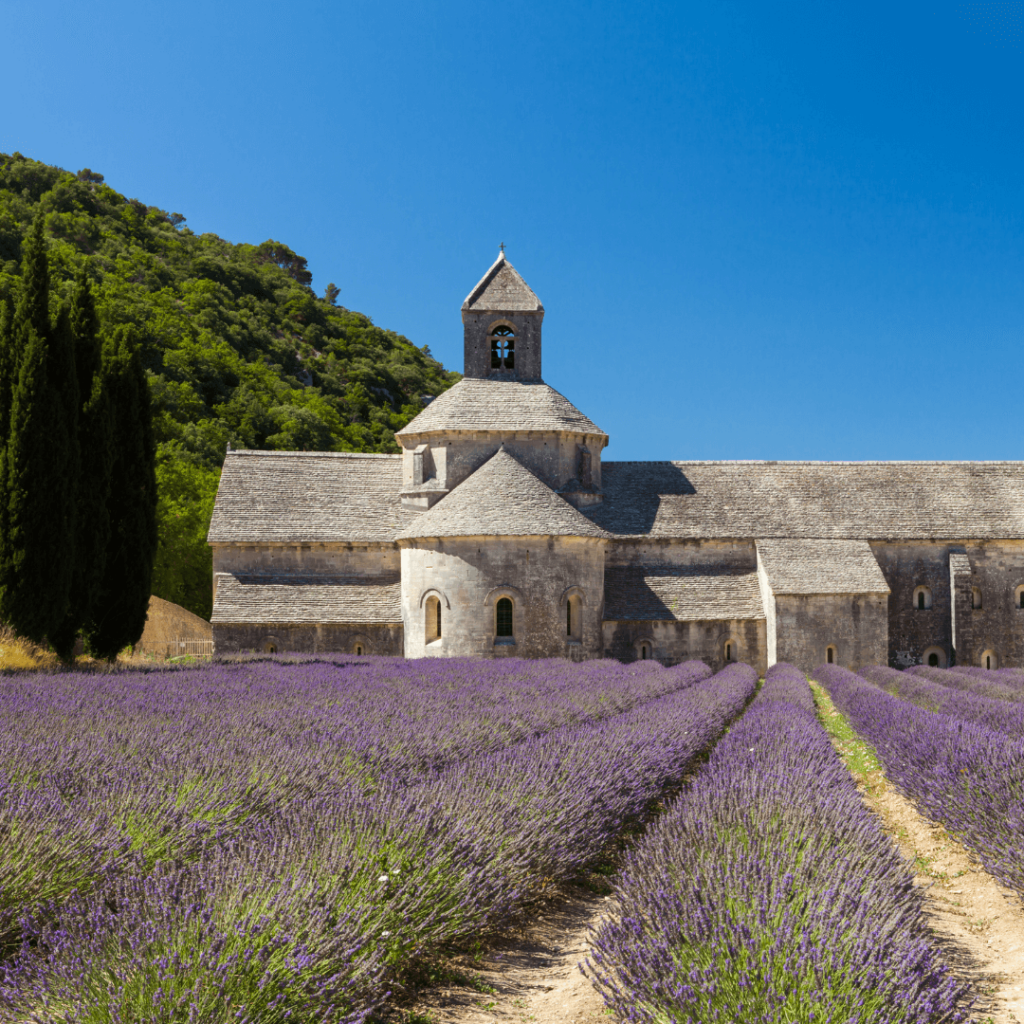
(8, 373)
(41, 459)
(122, 600)
(95, 437)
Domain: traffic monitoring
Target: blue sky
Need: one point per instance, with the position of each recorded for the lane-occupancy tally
(779, 231)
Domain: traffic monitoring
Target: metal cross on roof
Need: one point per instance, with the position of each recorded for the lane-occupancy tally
(502, 248)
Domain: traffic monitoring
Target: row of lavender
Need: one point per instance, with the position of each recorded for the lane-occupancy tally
(769, 893)
(958, 755)
(963, 702)
(95, 769)
(309, 906)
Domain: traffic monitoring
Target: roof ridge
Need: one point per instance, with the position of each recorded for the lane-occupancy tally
(813, 462)
(314, 455)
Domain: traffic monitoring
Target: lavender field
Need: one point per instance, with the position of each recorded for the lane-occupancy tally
(279, 840)
(960, 758)
(769, 893)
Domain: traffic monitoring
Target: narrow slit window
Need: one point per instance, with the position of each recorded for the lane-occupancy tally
(359, 648)
(645, 652)
(433, 622)
(920, 601)
(988, 661)
(728, 652)
(568, 618)
(503, 617)
(830, 656)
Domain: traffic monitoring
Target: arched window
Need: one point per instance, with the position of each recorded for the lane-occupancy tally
(270, 645)
(503, 345)
(830, 655)
(922, 598)
(989, 659)
(933, 660)
(1019, 597)
(432, 619)
(645, 651)
(976, 597)
(730, 650)
(359, 648)
(503, 617)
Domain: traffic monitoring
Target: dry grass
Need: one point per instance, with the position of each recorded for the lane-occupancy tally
(17, 653)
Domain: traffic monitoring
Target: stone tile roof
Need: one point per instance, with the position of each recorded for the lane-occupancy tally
(876, 500)
(292, 497)
(504, 405)
(821, 567)
(502, 499)
(286, 598)
(686, 594)
(502, 289)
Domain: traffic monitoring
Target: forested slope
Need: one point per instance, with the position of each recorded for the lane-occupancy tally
(236, 345)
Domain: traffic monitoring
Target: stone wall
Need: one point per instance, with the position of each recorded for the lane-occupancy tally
(469, 575)
(997, 569)
(907, 566)
(673, 642)
(552, 456)
(856, 625)
(231, 638)
(737, 555)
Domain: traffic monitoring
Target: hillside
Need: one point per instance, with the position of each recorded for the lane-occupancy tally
(236, 345)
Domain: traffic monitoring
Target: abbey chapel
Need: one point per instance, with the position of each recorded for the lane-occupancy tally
(500, 532)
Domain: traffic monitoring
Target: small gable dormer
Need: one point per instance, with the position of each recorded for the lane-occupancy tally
(502, 319)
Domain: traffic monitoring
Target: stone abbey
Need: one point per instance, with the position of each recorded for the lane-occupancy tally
(499, 532)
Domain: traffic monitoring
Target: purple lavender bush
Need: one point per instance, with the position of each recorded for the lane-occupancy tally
(997, 715)
(314, 902)
(94, 767)
(988, 684)
(959, 773)
(769, 893)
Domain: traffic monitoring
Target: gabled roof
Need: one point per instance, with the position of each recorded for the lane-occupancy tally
(501, 289)
(692, 593)
(286, 598)
(856, 500)
(821, 567)
(502, 499)
(504, 405)
(308, 497)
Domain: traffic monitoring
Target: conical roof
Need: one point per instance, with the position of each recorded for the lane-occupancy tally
(502, 499)
(501, 290)
(507, 405)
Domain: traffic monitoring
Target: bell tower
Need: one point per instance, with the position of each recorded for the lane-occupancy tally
(501, 320)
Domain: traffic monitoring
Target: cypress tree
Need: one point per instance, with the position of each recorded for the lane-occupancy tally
(119, 614)
(8, 371)
(95, 435)
(41, 461)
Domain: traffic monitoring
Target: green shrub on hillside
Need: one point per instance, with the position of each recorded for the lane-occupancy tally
(236, 345)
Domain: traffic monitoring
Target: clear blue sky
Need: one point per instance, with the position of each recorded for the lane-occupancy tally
(778, 231)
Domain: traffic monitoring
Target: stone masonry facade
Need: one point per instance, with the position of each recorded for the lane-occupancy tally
(499, 532)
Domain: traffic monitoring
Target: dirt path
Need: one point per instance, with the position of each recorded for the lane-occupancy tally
(977, 920)
(530, 975)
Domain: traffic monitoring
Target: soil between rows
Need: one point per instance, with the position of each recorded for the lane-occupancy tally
(978, 922)
(530, 973)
